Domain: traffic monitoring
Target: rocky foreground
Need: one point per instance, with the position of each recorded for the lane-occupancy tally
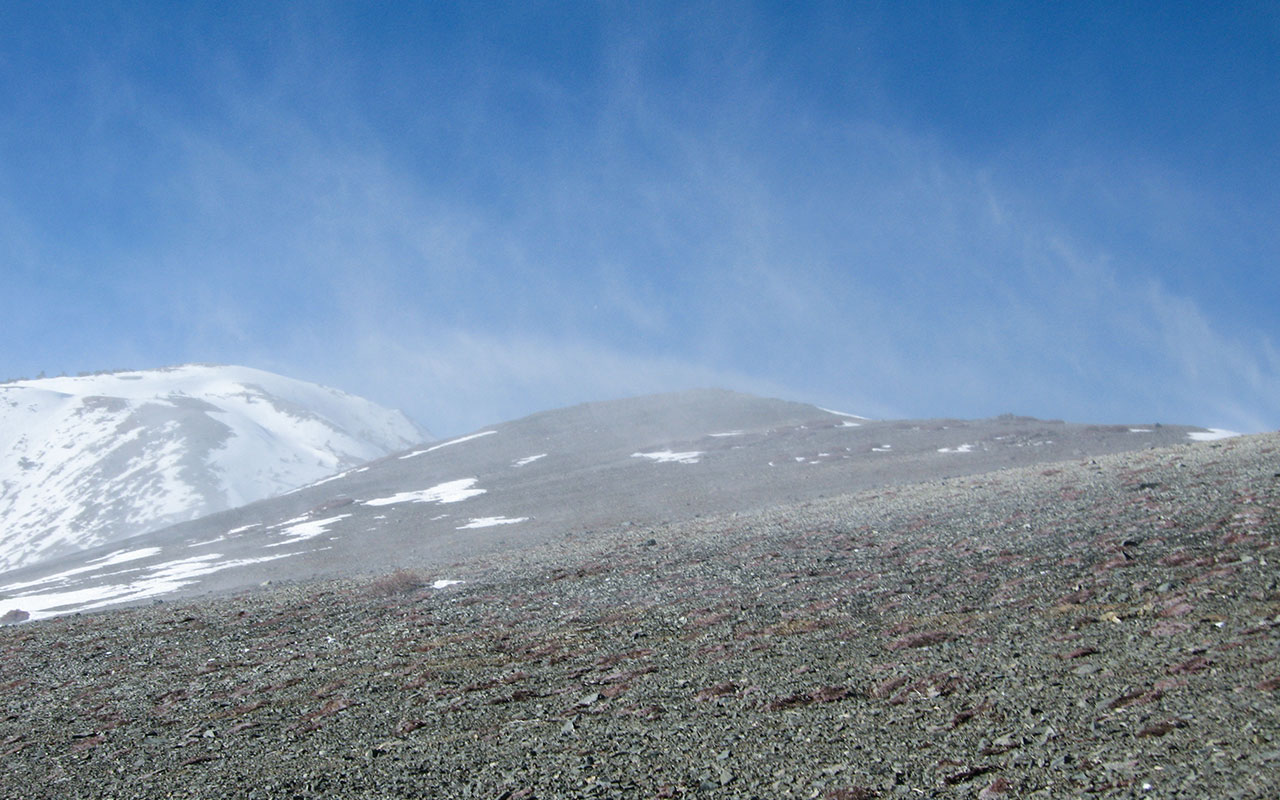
(1105, 627)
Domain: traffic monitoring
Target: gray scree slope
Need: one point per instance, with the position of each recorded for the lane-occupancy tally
(1101, 627)
(565, 473)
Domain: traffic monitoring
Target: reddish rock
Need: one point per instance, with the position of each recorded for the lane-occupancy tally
(1080, 652)
(1189, 666)
(923, 639)
(997, 788)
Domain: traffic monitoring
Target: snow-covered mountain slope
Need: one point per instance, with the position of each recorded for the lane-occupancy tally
(89, 460)
(558, 477)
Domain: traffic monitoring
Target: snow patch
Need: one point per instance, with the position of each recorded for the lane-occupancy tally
(964, 448)
(448, 492)
(156, 580)
(444, 583)
(843, 414)
(667, 456)
(307, 530)
(1212, 434)
(727, 433)
(111, 559)
(520, 462)
(329, 479)
(121, 556)
(449, 443)
(488, 522)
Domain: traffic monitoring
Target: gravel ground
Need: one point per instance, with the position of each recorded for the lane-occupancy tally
(1104, 627)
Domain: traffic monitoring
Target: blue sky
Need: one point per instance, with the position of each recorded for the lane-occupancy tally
(477, 212)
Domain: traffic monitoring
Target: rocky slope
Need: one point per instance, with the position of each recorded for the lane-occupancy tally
(642, 461)
(1098, 627)
(90, 460)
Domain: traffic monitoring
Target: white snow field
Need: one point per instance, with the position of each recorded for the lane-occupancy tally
(89, 460)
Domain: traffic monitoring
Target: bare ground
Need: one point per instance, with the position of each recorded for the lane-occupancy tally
(1103, 627)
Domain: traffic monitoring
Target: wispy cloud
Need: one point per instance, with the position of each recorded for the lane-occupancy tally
(520, 238)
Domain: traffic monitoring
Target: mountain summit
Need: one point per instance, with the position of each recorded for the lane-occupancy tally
(90, 460)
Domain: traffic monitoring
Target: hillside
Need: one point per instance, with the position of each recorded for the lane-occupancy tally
(1102, 626)
(636, 462)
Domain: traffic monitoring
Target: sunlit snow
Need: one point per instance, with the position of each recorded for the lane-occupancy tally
(964, 448)
(488, 522)
(122, 556)
(449, 443)
(520, 462)
(155, 580)
(448, 492)
(1212, 434)
(841, 413)
(330, 479)
(667, 456)
(118, 557)
(306, 530)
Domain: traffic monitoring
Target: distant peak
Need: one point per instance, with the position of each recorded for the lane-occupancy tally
(94, 458)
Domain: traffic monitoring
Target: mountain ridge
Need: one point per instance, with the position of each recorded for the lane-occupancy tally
(569, 472)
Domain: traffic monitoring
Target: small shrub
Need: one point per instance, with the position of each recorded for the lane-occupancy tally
(402, 581)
